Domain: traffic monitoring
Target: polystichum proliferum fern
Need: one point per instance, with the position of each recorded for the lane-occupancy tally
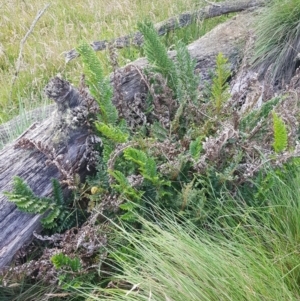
(280, 134)
(58, 216)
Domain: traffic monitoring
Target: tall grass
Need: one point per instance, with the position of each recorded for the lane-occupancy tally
(247, 254)
(278, 38)
(63, 26)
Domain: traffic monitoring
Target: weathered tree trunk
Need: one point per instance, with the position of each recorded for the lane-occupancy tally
(55, 147)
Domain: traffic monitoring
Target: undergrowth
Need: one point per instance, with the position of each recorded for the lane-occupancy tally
(193, 199)
(247, 253)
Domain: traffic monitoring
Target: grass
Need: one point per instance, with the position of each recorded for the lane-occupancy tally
(62, 27)
(278, 38)
(248, 254)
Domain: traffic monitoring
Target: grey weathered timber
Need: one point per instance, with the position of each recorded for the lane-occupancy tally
(70, 142)
(183, 20)
(26, 157)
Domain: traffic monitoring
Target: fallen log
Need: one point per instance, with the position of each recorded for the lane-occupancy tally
(60, 146)
(183, 20)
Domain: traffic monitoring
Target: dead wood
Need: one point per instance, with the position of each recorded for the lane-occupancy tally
(57, 148)
(183, 20)
(61, 145)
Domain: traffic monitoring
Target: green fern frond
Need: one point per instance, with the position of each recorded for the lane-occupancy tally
(21, 188)
(25, 199)
(249, 121)
(157, 54)
(158, 131)
(63, 261)
(120, 178)
(57, 192)
(124, 188)
(280, 134)
(49, 222)
(112, 132)
(219, 88)
(99, 86)
(57, 217)
(147, 165)
(196, 148)
(137, 156)
(186, 66)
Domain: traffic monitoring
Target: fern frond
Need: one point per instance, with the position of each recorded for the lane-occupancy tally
(219, 84)
(124, 188)
(196, 147)
(249, 121)
(112, 132)
(158, 131)
(49, 222)
(99, 86)
(186, 66)
(280, 134)
(157, 54)
(58, 214)
(57, 192)
(136, 156)
(61, 260)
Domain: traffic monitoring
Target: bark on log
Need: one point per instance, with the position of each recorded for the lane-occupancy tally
(67, 137)
(183, 20)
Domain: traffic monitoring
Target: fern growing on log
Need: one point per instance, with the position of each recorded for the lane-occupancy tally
(58, 217)
(99, 85)
(157, 54)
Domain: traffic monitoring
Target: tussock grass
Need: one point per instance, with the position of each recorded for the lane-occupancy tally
(278, 41)
(63, 26)
(247, 254)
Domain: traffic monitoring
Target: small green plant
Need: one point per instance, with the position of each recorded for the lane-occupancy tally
(157, 55)
(219, 88)
(62, 261)
(99, 85)
(59, 216)
(280, 134)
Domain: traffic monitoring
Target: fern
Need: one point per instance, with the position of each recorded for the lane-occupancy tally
(219, 84)
(25, 199)
(113, 133)
(196, 148)
(159, 132)
(124, 188)
(62, 261)
(99, 86)
(280, 134)
(147, 165)
(157, 55)
(185, 67)
(249, 121)
(58, 217)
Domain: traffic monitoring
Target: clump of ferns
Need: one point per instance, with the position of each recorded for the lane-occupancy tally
(185, 134)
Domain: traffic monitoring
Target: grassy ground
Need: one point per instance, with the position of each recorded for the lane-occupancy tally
(248, 254)
(63, 25)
